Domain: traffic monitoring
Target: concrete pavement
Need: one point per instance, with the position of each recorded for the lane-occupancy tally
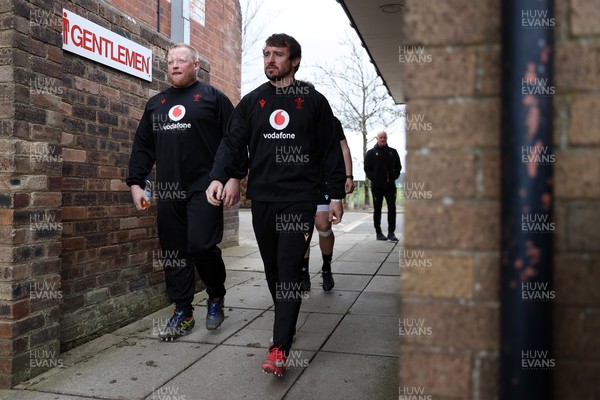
(346, 345)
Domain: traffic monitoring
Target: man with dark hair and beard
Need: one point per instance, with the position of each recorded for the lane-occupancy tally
(180, 131)
(288, 129)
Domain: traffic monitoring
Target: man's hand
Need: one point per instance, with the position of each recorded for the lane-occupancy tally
(231, 192)
(214, 193)
(336, 210)
(349, 186)
(137, 194)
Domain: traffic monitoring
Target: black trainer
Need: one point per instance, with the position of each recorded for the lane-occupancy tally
(381, 236)
(305, 280)
(392, 237)
(328, 282)
(177, 326)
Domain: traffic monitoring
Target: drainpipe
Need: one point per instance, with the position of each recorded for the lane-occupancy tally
(158, 16)
(526, 294)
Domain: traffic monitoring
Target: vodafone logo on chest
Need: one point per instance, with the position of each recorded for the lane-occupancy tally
(279, 119)
(176, 113)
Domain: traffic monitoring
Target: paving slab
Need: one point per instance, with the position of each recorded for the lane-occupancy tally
(389, 268)
(365, 334)
(356, 267)
(312, 330)
(232, 372)
(347, 376)
(384, 284)
(251, 294)
(363, 256)
(243, 263)
(31, 395)
(372, 245)
(239, 251)
(236, 277)
(336, 301)
(376, 303)
(150, 326)
(256, 334)
(342, 281)
(142, 365)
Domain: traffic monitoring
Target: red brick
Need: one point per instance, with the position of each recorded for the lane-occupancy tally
(6, 217)
(47, 199)
(71, 213)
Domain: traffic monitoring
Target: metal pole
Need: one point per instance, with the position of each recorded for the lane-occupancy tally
(526, 358)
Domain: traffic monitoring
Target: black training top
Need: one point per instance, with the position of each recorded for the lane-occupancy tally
(289, 132)
(180, 130)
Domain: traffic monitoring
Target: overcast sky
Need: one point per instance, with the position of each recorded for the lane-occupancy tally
(319, 26)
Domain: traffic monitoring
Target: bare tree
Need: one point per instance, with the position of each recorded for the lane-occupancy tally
(361, 102)
(251, 30)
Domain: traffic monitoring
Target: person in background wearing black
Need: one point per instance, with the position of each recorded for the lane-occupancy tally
(180, 131)
(288, 129)
(382, 167)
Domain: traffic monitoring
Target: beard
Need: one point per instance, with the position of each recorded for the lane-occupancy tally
(276, 73)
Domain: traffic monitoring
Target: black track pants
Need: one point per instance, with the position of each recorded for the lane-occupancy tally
(283, 232)
(390, 198)
(189, 232)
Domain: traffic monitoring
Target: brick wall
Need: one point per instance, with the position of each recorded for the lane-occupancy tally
(75, 255)
(450, 266)
(450, 262)
(577, 193)
(218, 40)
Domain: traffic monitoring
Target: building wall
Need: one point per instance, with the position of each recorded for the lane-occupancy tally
(453, 288)
(450, 265)
(577, 200)
(75, 255)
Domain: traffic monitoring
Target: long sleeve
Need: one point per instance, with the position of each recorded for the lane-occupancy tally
(397, 165)
(332, 167)
(368, 165)
(239, 167)
(143, 154)
(231, 160)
